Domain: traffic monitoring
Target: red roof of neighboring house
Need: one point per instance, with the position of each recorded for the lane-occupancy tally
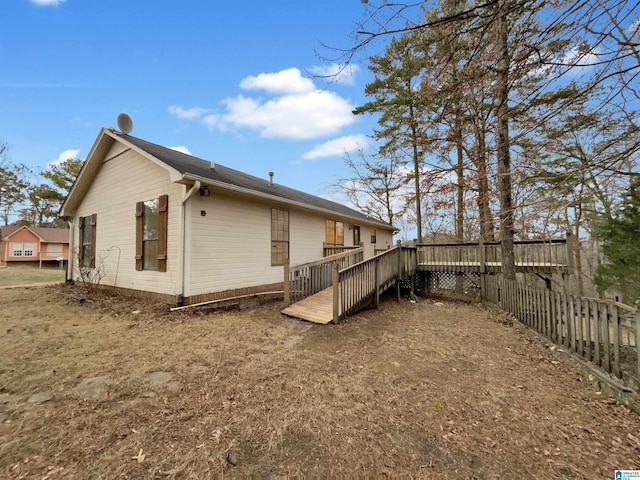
(48, 235)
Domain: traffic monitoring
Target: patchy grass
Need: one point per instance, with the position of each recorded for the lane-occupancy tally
(24, 275)
(424, 390)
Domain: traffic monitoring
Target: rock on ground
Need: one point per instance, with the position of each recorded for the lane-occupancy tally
(163, 379)
(40, 397)
(93, 389)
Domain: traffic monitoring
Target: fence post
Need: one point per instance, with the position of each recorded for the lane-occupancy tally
(335, 283)
(287, 291)
(615, 317)
(399, 266)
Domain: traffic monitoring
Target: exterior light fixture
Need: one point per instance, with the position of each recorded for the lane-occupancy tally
(205, 192)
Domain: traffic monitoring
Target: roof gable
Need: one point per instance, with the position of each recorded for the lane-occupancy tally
(99, 151)
(45, 234)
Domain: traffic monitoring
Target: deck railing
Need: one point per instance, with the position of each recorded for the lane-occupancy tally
(330, 249)
(362, 283)
(530, 256)
(302, 281)
(603, 332)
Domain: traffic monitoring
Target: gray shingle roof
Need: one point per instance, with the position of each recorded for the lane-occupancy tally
(188, 164)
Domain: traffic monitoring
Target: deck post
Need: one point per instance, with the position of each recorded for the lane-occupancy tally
(376, 291)
(483, 269)
(570, 252)
(287, 291)
(399, 244)
(637, 319)
(335, 285)
(414, 268)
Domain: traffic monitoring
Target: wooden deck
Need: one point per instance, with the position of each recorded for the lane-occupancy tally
(331, 288)
(531, 256)
(317, 308)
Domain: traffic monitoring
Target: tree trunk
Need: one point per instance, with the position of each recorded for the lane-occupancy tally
(503, 154)
(460, 174)
(484, 209)
(416, 173)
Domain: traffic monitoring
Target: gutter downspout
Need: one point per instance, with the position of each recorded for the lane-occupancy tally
(183, 242)
(68, 273)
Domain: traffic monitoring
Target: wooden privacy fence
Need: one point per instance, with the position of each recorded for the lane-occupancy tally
(605, 333)
(302, 281)
(541, 256)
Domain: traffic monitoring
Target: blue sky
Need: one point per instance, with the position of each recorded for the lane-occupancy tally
(229, 81)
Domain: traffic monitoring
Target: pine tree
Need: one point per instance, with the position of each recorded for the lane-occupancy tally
(619, 242)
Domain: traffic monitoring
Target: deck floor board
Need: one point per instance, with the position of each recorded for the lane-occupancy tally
(317, 308)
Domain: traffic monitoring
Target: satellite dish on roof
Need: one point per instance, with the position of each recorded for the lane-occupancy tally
(125, 124)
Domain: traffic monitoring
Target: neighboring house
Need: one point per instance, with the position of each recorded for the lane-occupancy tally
(20, 244)
(189, 230)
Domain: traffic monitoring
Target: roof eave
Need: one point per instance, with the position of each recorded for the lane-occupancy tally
(275, 198)
(74, 197)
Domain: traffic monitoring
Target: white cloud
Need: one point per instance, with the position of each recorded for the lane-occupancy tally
(66, 155)
(581, 57)
(338, 146)
(187, 114)
(47, 3)
(311, 115)
(181, 149)
(289, 81)
(337, 72)
(294, 108)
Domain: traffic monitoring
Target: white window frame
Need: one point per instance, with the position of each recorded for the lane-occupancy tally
(20, 249)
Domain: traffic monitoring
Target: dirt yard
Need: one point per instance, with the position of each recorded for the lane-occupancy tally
(429, 390)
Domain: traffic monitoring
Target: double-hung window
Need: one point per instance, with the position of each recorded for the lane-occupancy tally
(151, 234)
(279, 237)
(22, 249)
(334, 232)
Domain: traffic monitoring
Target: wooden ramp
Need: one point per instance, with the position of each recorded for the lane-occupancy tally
(317, 308)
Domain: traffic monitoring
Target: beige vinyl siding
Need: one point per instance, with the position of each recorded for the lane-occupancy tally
(384, 240)
(120, 183)
(229, 247)
(306, 234)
